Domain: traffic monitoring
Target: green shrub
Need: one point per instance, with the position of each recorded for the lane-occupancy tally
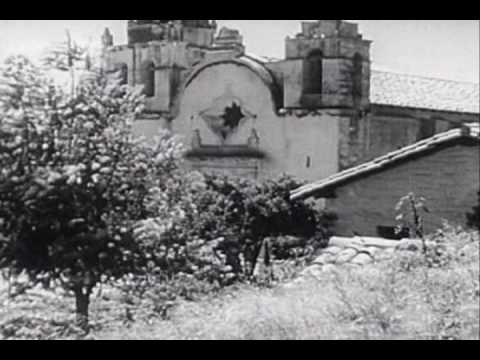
(250, 211)
(212, 227)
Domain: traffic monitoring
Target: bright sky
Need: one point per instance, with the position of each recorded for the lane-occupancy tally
(446, 49)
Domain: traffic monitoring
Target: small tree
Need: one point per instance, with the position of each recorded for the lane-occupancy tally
(73, 179)
(409, 216)
(68, 56)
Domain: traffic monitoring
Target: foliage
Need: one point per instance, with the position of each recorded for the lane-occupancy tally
(66, 55)
(409, 216)
(73, 178)
(149, 297)
(212, 227)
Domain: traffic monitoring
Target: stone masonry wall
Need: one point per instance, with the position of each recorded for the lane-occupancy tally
(448, 179)
(358, 251)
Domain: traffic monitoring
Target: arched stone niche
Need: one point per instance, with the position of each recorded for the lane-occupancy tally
(223, 104)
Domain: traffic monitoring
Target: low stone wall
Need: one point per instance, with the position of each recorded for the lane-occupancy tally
(356, 251)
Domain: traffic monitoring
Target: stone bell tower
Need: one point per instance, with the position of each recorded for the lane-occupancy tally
(335, 64)
(158, 56)
(193, 32)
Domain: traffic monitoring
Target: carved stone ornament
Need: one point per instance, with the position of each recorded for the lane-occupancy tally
(226, 115)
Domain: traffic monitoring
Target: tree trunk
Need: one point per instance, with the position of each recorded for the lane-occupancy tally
(253, 259)
(82, 302)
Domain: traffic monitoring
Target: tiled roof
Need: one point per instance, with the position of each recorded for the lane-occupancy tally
(263, 59)
(422, 92)
(389, 88)
(471, 131)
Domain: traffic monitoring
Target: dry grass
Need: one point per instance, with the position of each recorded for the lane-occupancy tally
(382, 301)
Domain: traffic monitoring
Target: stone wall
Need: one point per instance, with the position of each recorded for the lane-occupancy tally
(354, 252)
(365, 136)
(172, 62)
(448, 179)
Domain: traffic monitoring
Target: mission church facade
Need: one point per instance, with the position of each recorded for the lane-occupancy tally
(320, 110)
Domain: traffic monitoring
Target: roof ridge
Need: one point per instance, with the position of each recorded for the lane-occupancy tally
(470, 131)
(423, 77)
(260, 58)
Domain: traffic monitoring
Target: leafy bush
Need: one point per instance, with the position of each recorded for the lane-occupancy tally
(212, 227)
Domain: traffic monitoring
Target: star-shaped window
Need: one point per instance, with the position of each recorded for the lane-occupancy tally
(232, 116)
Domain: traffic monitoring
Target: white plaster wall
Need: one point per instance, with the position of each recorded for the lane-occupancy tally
(215, 82)
(123, 55)
(285, 140)
(315, 137)
(291, 74)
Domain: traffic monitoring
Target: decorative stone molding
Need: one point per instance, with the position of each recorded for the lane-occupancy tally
(303, 112)
(229, 151)
(226, 114)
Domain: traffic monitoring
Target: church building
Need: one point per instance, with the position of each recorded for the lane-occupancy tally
(320, 110)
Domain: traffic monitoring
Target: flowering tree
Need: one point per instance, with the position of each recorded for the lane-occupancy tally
(73, 179)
